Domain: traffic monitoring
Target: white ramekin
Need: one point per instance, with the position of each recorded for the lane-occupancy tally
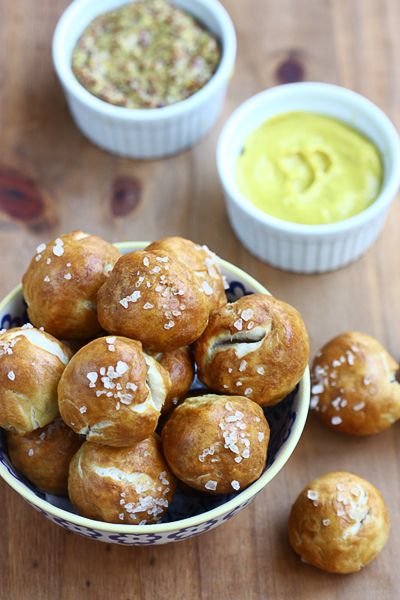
(292, 246)
(144, 133)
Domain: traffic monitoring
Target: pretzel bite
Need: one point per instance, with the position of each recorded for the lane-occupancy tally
(121, 485)
(201, 262)
(112, 392)
(61, 284)
(339, 523)
(153, 298)
(216, 444)
(179, 365)
(31, 364)
(43, 456)
(257, 346)
(354, 386)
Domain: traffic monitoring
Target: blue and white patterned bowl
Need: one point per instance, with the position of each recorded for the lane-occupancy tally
(191, 512)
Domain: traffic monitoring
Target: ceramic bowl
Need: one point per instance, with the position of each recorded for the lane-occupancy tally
(191, 512)
(292, 246)
(143, 133)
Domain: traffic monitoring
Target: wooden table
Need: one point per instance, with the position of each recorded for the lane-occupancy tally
(352, 42)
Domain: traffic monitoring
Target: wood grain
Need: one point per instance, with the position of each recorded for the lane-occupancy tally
(350, 42)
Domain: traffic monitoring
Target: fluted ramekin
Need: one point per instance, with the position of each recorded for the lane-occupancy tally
(297, 247)
(143, 133)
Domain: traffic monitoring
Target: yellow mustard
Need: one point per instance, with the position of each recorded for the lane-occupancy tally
(309, 168)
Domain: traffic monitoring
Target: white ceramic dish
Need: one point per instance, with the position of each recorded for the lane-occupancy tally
(308, 248)
(191, 513)
(145, 133)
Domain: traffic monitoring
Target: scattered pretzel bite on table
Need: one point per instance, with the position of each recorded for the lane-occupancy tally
(72, 267)
(154, 298)
(179, 365)
(216, 444)
(201, 262)
(113, 392)
(354, 385)
(257, 346)
(339, 523)
(43, 455)
(31, 364)
(121, 485)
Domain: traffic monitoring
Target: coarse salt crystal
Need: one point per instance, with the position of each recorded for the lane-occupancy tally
(312, 495)
(146, 261)
(169, 325)
(211, 485)
(260, 370)
(326, 522)
(67, 276)
(235, 484)
(260, 436)
(121, 367)
(82, 410)
(247, 314)
(243, 365)
(111, 340)
(148, 306)
(134, 297)
(38, 257)
(46, 279)
(248, 391)
(58, 250)
(318, 388)
(207, 289)
(336, 420)
(238, 324)
(30, 452)
(359, 406)
(41, 248)
(92, 376)
(314, 402)
(11, 375)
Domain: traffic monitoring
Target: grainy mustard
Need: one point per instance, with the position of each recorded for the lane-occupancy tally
(145, 54)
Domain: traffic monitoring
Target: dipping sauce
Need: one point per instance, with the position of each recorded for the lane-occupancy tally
(145, 54)
(309, 168)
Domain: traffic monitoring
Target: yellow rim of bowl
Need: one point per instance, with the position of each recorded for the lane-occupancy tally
(220, 511)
